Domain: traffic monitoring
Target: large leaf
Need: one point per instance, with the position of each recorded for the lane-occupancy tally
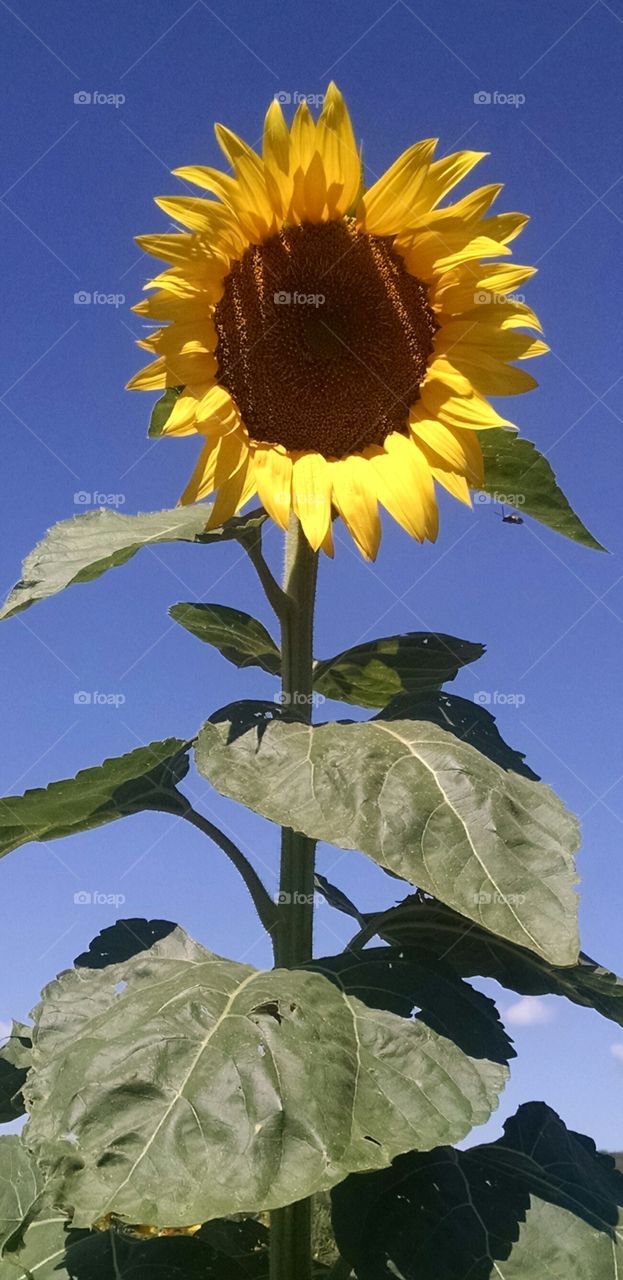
(143, 779)
(470, 950)
(83, 548)
(40, 1244)
(371, 674)
(421, 801)
(239, 637)
(517, 475)
(184, 1087)
(15, 1059)
(540, 1202)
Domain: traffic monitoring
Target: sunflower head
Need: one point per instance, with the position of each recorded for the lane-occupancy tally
(335, 346)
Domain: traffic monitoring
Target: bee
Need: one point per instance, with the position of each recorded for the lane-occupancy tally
(511, 518)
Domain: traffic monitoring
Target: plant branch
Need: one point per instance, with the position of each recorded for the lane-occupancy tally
(266, 909)
(276, 596)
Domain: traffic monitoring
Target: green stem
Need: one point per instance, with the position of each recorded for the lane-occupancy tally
(264, 905)
(291, 1228)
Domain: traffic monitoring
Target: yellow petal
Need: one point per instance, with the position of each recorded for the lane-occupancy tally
(218, 461)
(273, 476)
(384, 206)
(213, 180)
(470, 285)
(354, 497)
(335, 142)
(469, 412)
(444, 174)
(186, 338)
(216, 411)
(175, 247)
(457, 450)
(489, 376)
(405, 486)
(163, 305)
(302, 138)
(276, 140)
(233, 495)
(182, 420)
(435, 251)
(311, 495)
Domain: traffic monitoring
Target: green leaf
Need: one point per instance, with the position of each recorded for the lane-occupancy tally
(15, 1059)
(143, 779)
(239, 637)
(470, 950)
(150, 1075)
(21, 1184)
(419, 800)
(517, 475)
(540, 1202)
(162, 411)
(40, 1244)
(82, 549)
(372, 673)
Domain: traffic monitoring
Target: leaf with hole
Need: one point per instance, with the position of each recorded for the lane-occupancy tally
(540, 1202)
(183, 1086)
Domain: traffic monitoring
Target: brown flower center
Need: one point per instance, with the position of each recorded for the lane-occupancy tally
(323, 338)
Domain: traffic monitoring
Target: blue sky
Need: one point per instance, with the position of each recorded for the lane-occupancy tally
(78, 179)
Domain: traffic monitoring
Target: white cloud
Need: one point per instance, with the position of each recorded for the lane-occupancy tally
(617, 1051)
(5, 1030)
(530, 1011)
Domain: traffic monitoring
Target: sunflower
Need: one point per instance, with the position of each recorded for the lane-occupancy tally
(335, 346)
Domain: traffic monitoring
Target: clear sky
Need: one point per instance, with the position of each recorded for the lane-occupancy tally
(78, 179)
